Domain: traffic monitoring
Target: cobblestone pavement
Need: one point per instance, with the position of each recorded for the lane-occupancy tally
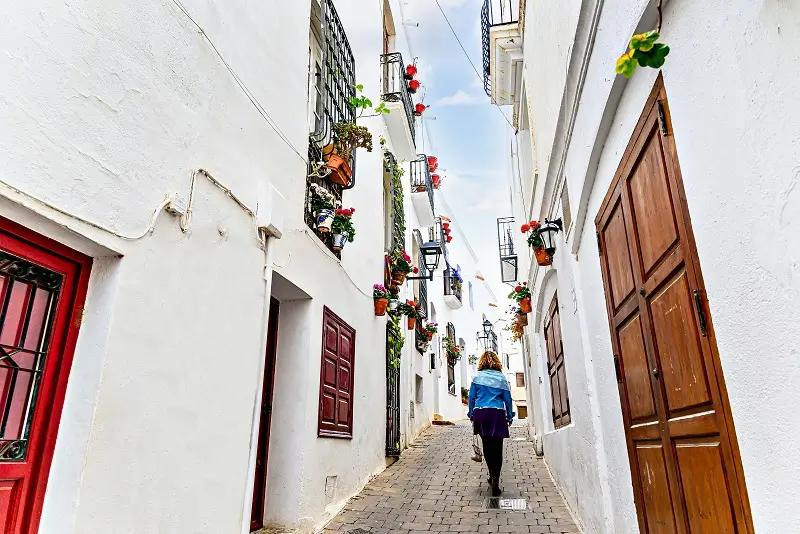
(435, 487)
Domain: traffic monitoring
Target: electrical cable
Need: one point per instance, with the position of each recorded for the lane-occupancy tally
(477, 73)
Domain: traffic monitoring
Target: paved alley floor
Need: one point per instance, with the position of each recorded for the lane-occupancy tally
(435, 487)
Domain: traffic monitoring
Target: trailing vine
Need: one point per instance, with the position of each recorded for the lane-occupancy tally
(395, 342)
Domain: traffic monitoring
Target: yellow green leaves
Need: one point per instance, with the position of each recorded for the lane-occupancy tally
(644, 52)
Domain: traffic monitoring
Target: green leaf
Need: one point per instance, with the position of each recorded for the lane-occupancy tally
(644, 41)
(658, 55)
(367, 103)
(360, 88)
(626, 65)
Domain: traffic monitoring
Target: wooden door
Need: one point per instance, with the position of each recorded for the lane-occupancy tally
(556, 371)
(687, 475)
(42, 288)
(262, 453)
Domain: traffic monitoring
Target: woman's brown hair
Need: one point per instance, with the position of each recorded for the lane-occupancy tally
(489, 360)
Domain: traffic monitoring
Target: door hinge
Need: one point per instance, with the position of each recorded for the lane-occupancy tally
(617, 369)
(662, 118)
(701, 314)
(599, 244)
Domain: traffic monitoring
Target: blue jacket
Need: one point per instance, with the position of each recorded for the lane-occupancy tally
(490, 389)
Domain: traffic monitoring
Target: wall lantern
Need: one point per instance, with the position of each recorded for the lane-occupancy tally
(487, 336)
(431, 252)
(548, 232)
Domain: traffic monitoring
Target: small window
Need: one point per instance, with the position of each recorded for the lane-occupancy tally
(471, 302)
(336, 377)
(451, 379)
(522, 412)
(418, 389)
(566, 213)
(520, 380)
(555, 367)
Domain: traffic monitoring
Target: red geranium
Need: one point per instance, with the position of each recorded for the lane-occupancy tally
(518, 288)
(416, 270)
(525, 228)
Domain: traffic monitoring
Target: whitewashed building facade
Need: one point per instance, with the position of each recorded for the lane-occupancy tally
(664, 337)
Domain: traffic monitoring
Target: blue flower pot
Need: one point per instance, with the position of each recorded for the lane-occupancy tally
(324, 221)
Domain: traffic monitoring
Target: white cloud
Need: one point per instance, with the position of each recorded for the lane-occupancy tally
(461, 98)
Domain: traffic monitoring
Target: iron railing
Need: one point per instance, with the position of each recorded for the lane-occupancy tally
(398, 218)
(421, 180)
(451, 365)
(508, 254)
(420, 338)
(394, 86)
(437, 235)
(393, 338)
(452, 285)
(495, 13)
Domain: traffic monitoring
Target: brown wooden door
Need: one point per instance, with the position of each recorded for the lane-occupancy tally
(687, 475)
(42, 290)
(262, 453)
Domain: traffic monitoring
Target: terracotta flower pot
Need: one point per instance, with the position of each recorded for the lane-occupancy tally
(339, 241)
(542, 257)
(324, 220)
(412, 323)
(341, 173)
(380, 306)
(429, 334)
(525, 305)
(522, 319)
(398, 277)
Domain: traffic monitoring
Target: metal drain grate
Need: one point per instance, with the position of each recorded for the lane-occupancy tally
(501, 503)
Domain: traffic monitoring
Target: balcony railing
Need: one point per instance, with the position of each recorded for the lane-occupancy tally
(508, 254)
(452, 285)
(495, 13)
(436, 234)
(422, 183)
(395, 86)
(420, 338)
(334, 86)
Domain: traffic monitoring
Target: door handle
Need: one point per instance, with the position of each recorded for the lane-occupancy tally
(655, 372)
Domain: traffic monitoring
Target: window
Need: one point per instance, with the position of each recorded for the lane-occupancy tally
(566, 212)
(522, 412)
(336, 377)
(451, 379)
(471, 302)
(520, 380)
(555, 367)
(418, 389)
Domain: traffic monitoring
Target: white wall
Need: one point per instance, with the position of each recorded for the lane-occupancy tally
(735, 120)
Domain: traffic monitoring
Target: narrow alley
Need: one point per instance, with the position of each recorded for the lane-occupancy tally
(435, 487)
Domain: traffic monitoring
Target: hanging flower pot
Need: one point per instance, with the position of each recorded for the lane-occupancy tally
(339, 241)
(413, 85)
(542, 257)
(437, 181)
(341, 173)
(419, 109)
(324, 220)
(449, 238)
(380, 306)
(446, 225)
(522, 319)
(429, 334)
(433, 161)
(525, 305)
(398, 277)
(411, 71)
(412, 323)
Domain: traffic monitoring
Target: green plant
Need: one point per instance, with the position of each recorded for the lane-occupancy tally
(532, 229)
(348, 136)
(464, 392)
(362, 103)
(321, 199)
(432, 328)
(520, 292)
(454, 352)
(343, 223)
(379, 291)
(410, 308)
(644, 52)
(473, 359)
(396, 340)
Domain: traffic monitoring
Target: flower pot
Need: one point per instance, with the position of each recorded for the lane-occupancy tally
(380, 306)
(429, 334)
(341, 173)
(464, 401)
(339, 241)
(542, 257)
(433, 161)
(324, 220)
(522, 319)
(525, 305)
(398, 277)
(412, 323)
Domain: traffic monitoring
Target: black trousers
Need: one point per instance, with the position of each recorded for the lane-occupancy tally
(493, 453)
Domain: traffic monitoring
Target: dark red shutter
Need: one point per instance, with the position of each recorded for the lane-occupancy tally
(336, 377)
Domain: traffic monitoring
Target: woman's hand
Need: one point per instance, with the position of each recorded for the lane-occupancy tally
(509, 423)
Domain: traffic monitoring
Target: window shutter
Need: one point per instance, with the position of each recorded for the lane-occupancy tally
(336, 377)
(555, 367)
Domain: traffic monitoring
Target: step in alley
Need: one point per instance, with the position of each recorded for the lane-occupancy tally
(436, 487)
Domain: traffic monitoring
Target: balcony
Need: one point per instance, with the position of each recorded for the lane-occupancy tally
(508, 254)
(422, 191)
(394, 93)
(502, 50)
(452, 288)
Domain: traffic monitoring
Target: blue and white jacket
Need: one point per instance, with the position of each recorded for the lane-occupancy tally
(490, 389)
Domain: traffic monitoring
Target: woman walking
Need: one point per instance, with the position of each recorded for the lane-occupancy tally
(491, 413)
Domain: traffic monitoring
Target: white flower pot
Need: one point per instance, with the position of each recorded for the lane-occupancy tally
(339, 240)
(324, 221)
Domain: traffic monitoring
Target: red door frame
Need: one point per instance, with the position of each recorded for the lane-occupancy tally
(268, 387)
(75, 267)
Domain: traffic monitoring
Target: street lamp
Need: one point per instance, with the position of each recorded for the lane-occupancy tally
(431, 252)
(485, 337)
(548, 232)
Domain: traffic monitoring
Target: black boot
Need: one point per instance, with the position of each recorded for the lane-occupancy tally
(496, 491)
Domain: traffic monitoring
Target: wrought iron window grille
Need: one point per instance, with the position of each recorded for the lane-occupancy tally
(508, 254)
(495, 13)
(452, 285)
(394, 86)
(421, 180)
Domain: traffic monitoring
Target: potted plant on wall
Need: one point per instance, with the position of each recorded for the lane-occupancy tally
(464, 396)
(342, 228)
(347, 136)
(412, 310)
(437, 181)
(401, 266)
(453, 351)
(380, 297)
(535, 241)
(522, 295)
(430, 330)
(323, 205)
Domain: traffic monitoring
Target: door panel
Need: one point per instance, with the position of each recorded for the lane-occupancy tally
(42, 289)
(685, 465)
(656, 496)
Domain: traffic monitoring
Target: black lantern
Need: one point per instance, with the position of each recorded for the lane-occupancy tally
(488, 328)
(487, 336)
(548, 232)
(431, 252)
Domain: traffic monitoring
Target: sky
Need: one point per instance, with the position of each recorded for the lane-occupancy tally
(468, 134)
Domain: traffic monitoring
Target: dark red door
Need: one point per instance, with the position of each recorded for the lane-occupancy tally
(260, 487)
(42, 289)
